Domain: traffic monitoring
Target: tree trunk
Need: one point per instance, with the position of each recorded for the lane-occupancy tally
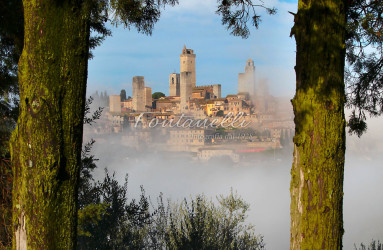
(319, 141)
(46, 145)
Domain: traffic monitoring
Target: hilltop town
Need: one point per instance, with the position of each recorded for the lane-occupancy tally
(140, 119)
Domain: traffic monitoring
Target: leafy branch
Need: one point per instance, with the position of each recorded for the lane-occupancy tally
(237, 13)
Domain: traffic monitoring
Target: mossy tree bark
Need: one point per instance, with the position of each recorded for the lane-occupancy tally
(46, 145)
(319, 141)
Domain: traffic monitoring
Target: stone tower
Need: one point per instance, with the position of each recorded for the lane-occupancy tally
(246, 81)
(217, 90)
(174, 84)
(187, 62)
(148, 97)
(115, 103)
(138, 102)
(186, 90)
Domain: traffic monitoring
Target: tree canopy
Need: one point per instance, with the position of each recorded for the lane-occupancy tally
(11, 45)
(123, 95)
(364, 52)
(158, 95)
(364, 71)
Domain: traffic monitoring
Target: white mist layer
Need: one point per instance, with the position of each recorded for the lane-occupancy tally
(264, 185)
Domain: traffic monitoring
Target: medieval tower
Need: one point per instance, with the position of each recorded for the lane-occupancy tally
(246, 81)
(187, 62)
(138, 94)
(148, 97)
(174, 84)
(186, 90)
(187, 77)
(217, 90)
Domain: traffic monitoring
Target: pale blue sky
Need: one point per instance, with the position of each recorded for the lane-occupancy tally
(220, 56)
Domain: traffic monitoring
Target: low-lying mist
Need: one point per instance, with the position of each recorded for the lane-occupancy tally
(264, 184)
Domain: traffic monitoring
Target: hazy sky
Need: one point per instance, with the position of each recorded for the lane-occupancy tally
(220, 56)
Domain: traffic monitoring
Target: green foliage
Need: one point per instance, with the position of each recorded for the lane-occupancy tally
(98, 15)
(107, 220)
(158, 95)
(373, 246)
(357, 123)
(123, 95)
(90, 216)
(220, 113)
(8, 118)
(87, 192)
(364, 74)
(236, 14)
(95, 115)
(11, 44)
(201, 224)
(5, 203)
(140, 14)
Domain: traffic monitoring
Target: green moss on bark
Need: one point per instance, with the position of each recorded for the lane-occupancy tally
(46, 144)
(318, 167)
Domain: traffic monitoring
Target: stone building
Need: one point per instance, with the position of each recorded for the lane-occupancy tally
(215, 105)
(199, 93)
(217, 90)
(148, 98)
(174, 84)
(138, 103)
(137, 139)
(184, 139)
(207, 92)
(167, 104)
(208, 153)
(115, 104)
(187, 64)
(127, 105)
(246, 81)
(235, 105)
(186, 88)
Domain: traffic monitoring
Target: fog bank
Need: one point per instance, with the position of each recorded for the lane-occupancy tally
(263, 184)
